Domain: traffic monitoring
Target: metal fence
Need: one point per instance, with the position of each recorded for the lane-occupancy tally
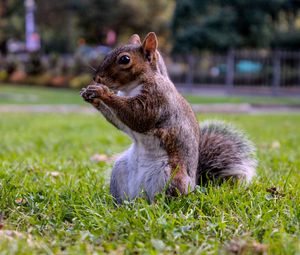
(239, 68)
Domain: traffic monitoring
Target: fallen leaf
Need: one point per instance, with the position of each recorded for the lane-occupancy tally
(236, 246)
(275, 145)
(104, 158)
(54, 174)
(11, 234)
(241, 246)
(259, 248)
(274, 191)
(99, 158)
(20, 201)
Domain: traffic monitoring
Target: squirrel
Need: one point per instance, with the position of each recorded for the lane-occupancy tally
(170, 152)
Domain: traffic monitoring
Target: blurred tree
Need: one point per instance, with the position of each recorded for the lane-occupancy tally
(61, 23)
(96, 17)
(146, 16)
(56, 20)
(11, 22)
(220, 25)
(287, 34)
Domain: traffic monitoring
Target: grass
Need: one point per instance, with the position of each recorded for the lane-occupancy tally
(243, 99)
(57, 200)
(11, 94)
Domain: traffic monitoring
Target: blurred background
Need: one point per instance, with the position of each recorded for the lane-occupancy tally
(248, 47)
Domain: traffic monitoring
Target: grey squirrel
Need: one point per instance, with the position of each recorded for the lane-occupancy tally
(170, 152)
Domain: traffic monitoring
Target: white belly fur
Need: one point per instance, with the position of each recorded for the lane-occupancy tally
(147, 169)
(145, 162)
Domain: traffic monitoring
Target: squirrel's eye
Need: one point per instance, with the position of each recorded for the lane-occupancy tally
(124, 60)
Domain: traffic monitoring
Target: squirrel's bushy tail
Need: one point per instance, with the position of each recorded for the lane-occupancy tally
(224, 153)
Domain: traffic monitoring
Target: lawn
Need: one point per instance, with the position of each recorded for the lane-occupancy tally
(264, 100)
(55, 200)
(12, 94)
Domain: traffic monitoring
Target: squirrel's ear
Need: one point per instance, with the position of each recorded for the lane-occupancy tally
(135, 39)
(150, 45)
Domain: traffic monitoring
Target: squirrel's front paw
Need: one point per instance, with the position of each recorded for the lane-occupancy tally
(93, 92)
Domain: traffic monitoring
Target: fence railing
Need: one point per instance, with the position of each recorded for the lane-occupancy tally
(274, 69)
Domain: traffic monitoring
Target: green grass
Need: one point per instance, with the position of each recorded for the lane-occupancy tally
(73, 213)
(12, 94)
(243, 99)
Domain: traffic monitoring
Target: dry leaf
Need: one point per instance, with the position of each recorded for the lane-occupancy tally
(259, 248)
(54, 174)
(236, 246)
(275, 145)
(20, 201)
(240, 246)
(274, 191)
(99, 158)
(103, 158)
(11, 235)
